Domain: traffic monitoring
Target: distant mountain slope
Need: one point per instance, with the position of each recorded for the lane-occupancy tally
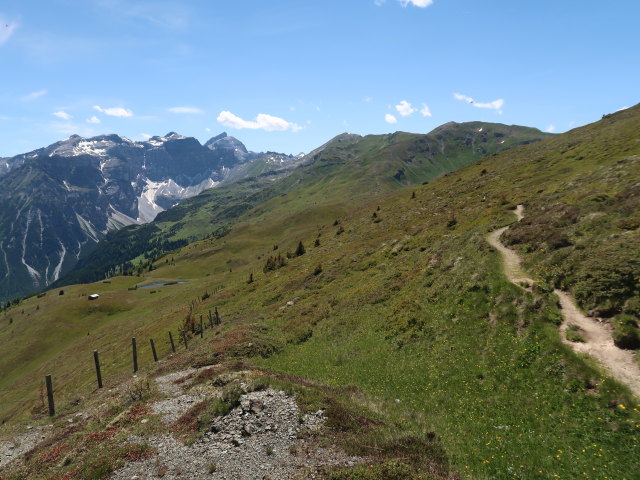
(346, 167)
(57, 202)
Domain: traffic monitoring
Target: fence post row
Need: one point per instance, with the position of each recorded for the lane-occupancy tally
(135, 354)
(173, 345)
(153, 350)
(52, 410)
(96, 359)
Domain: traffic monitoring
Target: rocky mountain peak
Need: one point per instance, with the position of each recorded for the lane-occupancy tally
(213, 140)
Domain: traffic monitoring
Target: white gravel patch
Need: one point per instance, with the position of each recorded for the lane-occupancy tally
(173, 408)
(257, 440)
(167, 383)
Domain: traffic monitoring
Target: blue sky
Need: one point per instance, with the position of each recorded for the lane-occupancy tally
(287, 75)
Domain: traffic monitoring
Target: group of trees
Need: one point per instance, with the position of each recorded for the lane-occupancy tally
(278, 261)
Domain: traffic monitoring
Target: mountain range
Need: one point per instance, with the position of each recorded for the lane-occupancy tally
(58, 202)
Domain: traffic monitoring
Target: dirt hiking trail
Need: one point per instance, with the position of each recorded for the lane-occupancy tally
(598, 343)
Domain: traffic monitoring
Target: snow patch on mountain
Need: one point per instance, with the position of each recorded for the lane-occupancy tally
(89, 147)
(157, 141)
(148, 207)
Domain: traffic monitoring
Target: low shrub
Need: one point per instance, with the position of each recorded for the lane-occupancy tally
(573, 334)
(626, 333)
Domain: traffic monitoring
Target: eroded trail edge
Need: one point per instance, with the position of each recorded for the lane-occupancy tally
(598, 343)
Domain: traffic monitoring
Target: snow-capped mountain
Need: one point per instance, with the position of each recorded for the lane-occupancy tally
(57, 202)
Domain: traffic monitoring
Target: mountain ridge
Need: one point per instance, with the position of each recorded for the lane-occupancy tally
(59, 201)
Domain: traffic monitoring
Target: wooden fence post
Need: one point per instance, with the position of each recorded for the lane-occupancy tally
(153, 350)
(96, 359)
(52, 410)
(135, 354)
(184, 337)
(201, 328)
(218, 321)
(211, 319)
(173, 345)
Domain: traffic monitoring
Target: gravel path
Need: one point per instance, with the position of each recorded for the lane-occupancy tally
(598, 342)
(511, 260)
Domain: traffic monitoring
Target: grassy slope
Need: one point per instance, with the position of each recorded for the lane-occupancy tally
(410, 307)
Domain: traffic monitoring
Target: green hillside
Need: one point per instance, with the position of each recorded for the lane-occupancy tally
(397, 319)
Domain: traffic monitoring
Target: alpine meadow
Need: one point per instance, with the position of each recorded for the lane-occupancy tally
(461, 303)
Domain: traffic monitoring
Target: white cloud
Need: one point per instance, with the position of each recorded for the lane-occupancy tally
(146, 136)
(187, 110)
(425, 110)
(459, 96)
(263, 121)
(495, 105)
(367, 99)
(379, 2)
(114, 111)
(6, 30)
(30, 97)
(390, 119)
(417, 3)
(62, 114)
(405, 109)
(93, 119)
(207, 129)
(551, 129)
